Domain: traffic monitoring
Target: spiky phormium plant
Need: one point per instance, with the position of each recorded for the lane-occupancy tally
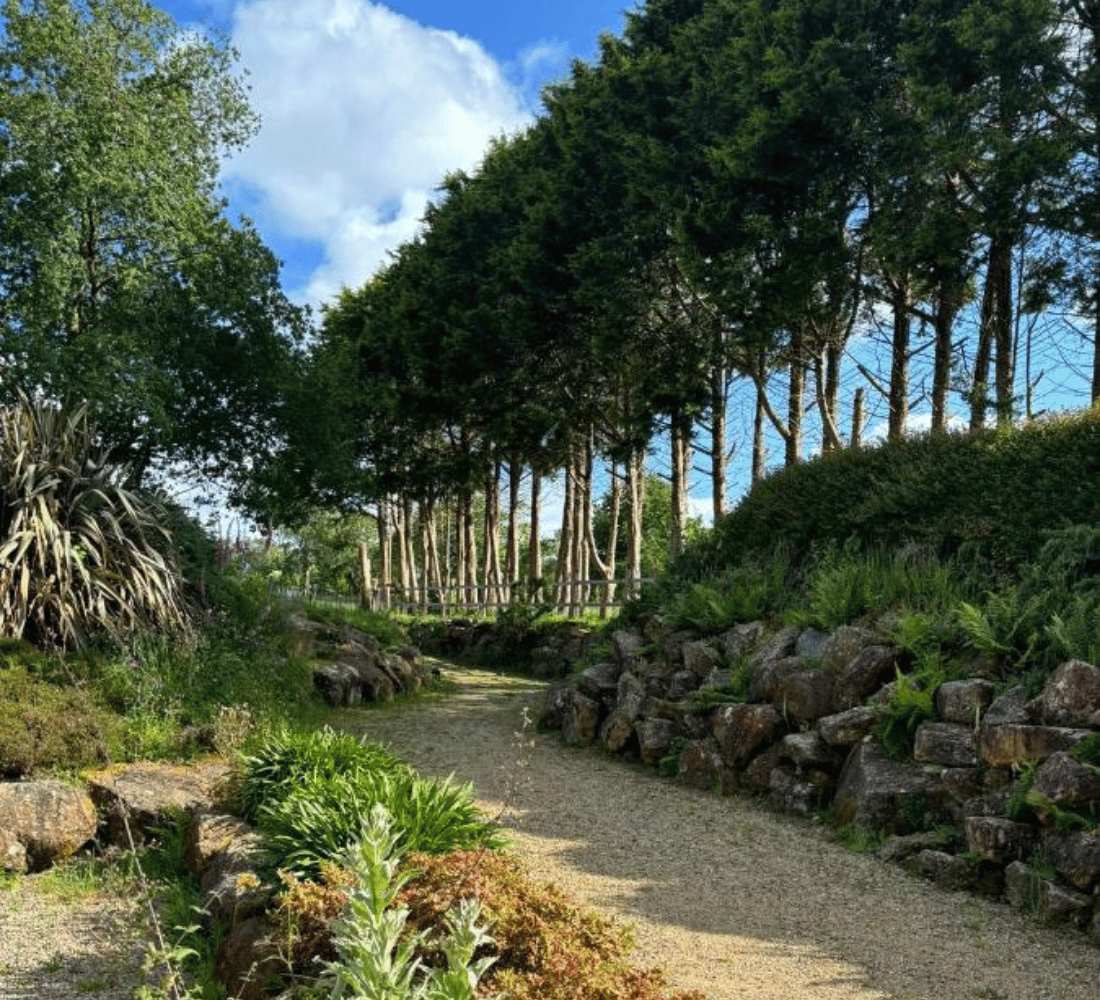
(79, 553)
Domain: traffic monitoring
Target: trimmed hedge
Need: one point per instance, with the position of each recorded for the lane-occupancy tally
(994, 494)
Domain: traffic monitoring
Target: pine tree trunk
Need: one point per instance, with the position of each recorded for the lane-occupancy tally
(1005, 377)
(534, 543)
(512, 554)
(681, 444)
(366, 583)
(796, 390)
(563, 571)
(759, 448)
(718, 442)
(636, 499)
(899, 362)
(944, 321)
(494, 591)
(385, 569)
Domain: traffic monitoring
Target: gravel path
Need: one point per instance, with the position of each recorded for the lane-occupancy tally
(728, 897)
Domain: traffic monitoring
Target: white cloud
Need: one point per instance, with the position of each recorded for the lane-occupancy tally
(364, 111)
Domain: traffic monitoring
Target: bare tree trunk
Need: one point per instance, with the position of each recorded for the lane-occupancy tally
(944, 321)
(494, 589)
(681, 444)
(1005, 377)
(606, 566)
(512, 555)
(718, 400)
(385, 569)
(366, 584)
(534, 543)
(636, 498)
(830, 436)
(899, 361)
(995, 311)
(796, 391)
(469, 544)
(857, 419)
(563, 572)
(412, 585)
(1096, 341)
(759, 448)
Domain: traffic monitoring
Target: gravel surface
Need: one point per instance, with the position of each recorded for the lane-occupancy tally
(728, 897)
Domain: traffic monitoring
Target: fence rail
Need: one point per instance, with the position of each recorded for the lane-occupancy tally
(573, 598)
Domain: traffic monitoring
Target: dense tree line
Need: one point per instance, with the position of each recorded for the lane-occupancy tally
(794, 202)
(804, 211)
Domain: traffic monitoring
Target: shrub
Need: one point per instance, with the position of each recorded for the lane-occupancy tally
(998, 492)
(48, 725)
(79, 553)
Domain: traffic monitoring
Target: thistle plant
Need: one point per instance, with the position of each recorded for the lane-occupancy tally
(377, 954)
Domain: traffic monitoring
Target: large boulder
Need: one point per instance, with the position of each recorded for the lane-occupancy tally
(847, 728)
(736, 642)
(993, 838)
(1074, 856)
(865, 673)
(805, 695)
(963, 702)
(945, 743)
(580, 719)
(1015, 745)
(337, 683)
(877, 792)
(42, 822)
(600, 681)
(1066, 782)
(1070, 697)
(845, 644)
(743, 730)
(226, 855)
(701, 766)
(140, 796)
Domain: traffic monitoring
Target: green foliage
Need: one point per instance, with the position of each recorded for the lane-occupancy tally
(1006, 628)
(310, 792)
(999, 492)
(389, 632)
(79, 554)
(740, 594)
(286, 760)
(319, 819)
(845, 584)
(1088, 750)
(912, 702)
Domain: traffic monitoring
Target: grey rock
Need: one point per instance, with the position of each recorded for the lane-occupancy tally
(1074, 856)
(808, 751)
(1011, 745)
(701, 766)
(963, 702)
(1070, 697)
(580, 719)
(768, 675)
(655, 737)
(1009, 708)
(901, 848)
(805, 696)
(992, 838)
(699, 657)
(600, 681)
(865, 674)
(811, 644)
(844, 645)
(1067, 782)
(794, 792)
(337, 683)
(879, 793)
(739, 640)
(778, 646)
(946, 870)
(743, 730)
(945, 743)
(627, 647)
(847, 728)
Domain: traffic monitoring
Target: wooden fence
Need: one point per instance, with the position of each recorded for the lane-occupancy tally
(575, 598)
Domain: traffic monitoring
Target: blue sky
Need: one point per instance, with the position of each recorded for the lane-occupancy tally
(366, 106)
